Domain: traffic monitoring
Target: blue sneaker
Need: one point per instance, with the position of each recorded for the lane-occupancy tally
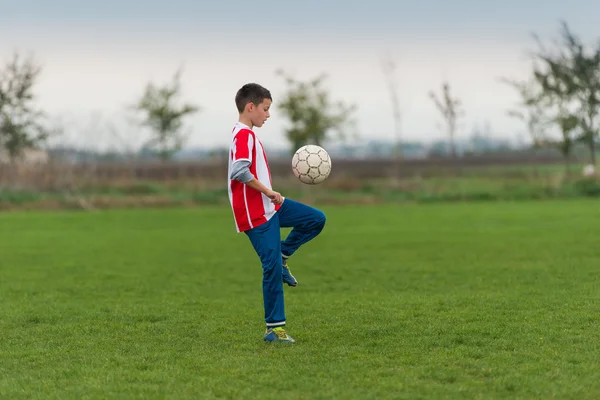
(278, 335)
(288, 278)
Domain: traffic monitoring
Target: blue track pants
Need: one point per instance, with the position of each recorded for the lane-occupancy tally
(307, 222)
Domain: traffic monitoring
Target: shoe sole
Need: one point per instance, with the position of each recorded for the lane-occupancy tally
(280, 341)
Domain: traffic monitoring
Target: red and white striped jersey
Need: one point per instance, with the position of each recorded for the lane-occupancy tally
(250, 207)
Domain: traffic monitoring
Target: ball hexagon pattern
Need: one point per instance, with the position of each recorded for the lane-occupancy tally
(311, 164)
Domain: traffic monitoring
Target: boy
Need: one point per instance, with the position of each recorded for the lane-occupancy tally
(260, 212)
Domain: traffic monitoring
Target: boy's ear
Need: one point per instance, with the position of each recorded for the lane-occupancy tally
(250, 106)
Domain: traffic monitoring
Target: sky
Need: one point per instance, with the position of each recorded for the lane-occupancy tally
(97, 57)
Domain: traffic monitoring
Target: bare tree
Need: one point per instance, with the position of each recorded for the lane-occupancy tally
(389, 66)
(451, 111)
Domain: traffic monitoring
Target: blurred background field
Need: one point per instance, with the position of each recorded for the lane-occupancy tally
(156, 184)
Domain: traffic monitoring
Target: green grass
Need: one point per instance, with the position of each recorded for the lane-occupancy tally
(465, 301)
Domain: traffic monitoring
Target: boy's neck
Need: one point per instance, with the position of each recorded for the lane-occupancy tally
(246, 121)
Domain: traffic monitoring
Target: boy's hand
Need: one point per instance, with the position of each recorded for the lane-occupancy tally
(276, 198)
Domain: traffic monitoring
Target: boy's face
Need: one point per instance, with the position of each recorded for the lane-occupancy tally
(259, 113)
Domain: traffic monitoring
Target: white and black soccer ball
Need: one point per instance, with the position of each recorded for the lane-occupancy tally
(589, 170)
(311, 164)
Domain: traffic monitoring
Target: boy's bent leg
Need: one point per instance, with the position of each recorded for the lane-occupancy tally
(307, 222)
(266, 242)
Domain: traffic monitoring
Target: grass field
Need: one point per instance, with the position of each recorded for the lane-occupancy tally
(467, 301)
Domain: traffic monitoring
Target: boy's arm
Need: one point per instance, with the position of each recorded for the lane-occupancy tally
(275, 197)
(241, 172)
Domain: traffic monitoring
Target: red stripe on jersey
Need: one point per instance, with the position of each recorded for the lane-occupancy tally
(238, 203)
(243, 142)
(256, 208)
(277, 206)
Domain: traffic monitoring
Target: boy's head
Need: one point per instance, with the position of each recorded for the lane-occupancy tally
(253, 102)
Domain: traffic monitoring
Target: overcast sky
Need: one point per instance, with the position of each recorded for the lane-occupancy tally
(98, 56)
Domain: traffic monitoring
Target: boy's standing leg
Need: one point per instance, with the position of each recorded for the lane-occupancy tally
(307, 222)
(265, 239)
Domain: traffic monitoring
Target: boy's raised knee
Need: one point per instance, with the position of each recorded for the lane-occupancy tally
(321, 218)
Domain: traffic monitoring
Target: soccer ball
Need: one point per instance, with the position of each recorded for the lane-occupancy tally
(589, 170)
(311, 164)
